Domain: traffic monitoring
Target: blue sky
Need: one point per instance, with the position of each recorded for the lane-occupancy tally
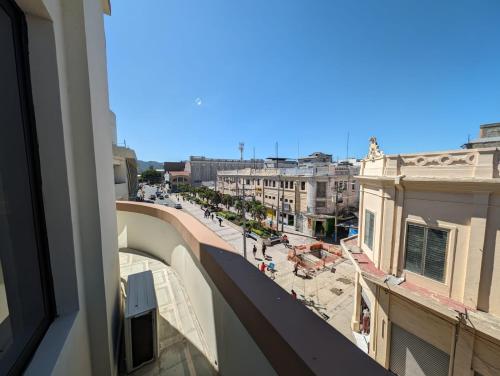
(195, 77)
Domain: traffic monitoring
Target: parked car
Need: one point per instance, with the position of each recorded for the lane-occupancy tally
(251, 235)
(272, 240)
(178, 206)
(152, 197)
(161, 197)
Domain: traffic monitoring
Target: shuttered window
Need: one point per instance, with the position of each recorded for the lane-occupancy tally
(412, 356)
(369, 228)
(426, 251)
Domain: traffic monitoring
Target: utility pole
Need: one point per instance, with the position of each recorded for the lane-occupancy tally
(242, 147)
(282, 206)
(278, 189)
(336, 200)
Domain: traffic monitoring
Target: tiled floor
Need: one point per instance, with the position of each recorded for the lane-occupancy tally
(183, 350)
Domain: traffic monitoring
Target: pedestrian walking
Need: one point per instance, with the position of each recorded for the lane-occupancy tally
(296, 268)
(220, 222)
(254, 251)
(294, 294)
(212, 216)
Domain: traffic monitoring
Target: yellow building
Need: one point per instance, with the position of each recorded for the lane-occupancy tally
(427, 295)
(302, 197)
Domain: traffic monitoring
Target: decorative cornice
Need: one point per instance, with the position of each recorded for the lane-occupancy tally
(440, 160)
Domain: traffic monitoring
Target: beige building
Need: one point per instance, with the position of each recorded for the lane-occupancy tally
(303, 197)
(124, 167)
(428, 261)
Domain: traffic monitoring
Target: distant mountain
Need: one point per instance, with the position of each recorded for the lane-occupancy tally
(144, 165)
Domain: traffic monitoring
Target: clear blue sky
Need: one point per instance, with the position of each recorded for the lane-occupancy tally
(195, 77)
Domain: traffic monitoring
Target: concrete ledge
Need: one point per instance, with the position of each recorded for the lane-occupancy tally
(293, 339)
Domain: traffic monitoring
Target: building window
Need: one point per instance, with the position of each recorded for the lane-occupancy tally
(320, 204)
(258, 181)
(321, 189)
(286, 200)
(291, 201)
(274, 183)
(353, 186)
(302, 185)
(426, 251)
(291, 185)
(286, 185)
(26, 296)
(369, 229)
(247, 181)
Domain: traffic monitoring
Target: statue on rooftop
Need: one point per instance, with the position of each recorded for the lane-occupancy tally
(374, 150)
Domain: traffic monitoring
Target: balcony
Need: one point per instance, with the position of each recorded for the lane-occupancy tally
(219, 313)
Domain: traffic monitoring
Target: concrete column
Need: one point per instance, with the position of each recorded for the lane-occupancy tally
(356, 312)
(386, 231)
(311, 195)
(477, 233)
(398, 229)
(464, 351)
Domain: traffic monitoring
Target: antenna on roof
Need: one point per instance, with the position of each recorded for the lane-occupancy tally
(277, 154)
(241, 147)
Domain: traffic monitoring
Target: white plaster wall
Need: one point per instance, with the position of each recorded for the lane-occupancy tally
(229, 342)
(69, 82)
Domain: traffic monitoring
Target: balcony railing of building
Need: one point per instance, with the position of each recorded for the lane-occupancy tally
(251, 325)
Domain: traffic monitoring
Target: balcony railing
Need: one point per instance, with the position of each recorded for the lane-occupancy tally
(250, 323)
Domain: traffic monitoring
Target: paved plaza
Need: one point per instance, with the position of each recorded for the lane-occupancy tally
(329, 295)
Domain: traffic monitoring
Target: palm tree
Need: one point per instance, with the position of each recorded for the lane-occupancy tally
(227, 200)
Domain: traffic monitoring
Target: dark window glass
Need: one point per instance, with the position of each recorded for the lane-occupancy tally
(291, 185)
(435, 254)
(25, 288)
(303, 185)
(414, 248)
(369, 228)
(321, 189)
(426, 251)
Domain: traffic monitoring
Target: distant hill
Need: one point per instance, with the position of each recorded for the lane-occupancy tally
(144, 165)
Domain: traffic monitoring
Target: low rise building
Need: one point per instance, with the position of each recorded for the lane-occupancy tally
(307, 198)
(428, 261)
(205, 169)
(489, 136)
(315, 159)
(178, 178)
(124, 166)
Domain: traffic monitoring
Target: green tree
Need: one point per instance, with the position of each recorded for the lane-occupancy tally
(227, 201)
(151, 175)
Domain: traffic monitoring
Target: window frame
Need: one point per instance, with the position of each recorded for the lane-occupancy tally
(373, 231)
(21, 50)
(447, 251)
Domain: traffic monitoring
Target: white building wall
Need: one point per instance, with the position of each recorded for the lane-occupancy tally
(69, 85)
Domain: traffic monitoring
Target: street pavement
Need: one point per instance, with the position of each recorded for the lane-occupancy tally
(329, 295)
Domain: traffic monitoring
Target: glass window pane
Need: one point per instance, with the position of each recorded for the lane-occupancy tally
(369, 224)
(414, 248)
(435, 254)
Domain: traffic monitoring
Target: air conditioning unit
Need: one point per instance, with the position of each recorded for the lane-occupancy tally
(141, 321)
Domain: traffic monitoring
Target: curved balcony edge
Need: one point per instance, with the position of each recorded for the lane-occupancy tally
(292, 338)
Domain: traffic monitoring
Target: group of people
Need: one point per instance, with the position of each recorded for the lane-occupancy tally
(254, 251)
(211, 215)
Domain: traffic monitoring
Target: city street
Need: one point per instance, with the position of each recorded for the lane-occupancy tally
(329, 295)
